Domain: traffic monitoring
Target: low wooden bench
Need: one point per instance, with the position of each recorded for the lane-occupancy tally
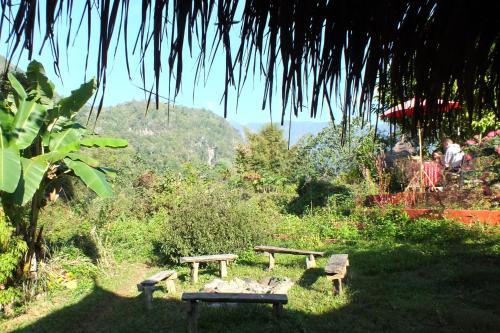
(277, 300)
(148, 285)
(223, 260)
(271, 250)
(336, 270)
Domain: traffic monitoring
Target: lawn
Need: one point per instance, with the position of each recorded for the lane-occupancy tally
(448, 286)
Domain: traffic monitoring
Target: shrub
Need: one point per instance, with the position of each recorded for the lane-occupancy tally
(438, 231)
(210, 220)
(133, 239)
(296, 232)
(320, 193)
(391, 224)
(12, 249)
(382, 224)
(312, 230)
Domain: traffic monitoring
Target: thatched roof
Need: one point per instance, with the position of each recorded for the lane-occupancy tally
(429, 49)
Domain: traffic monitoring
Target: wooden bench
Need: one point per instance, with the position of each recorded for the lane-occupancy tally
(277, 300)
(148, 285)
(271, 250)
(336, 270)
(223, 260)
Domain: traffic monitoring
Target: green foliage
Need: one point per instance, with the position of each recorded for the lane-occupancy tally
(134, 240)
(486, 123)
(97, 141)
(92, 177)
(264, 160)
(436, 231)
(12, 249)
(212, 219)
(313, 230)
(314, 194)
(41, 133)
(33, 171)
(326, 156)
(39, 143)
(10, 166)
(382, 224)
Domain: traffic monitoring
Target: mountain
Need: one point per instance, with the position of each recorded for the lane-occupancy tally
(297, 131)
(169, 137)
(3, 65)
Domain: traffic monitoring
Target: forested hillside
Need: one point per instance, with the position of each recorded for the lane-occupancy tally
(3, 65)
(168, 138)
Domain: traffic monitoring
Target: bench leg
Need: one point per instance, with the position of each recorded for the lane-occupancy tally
(148, 293)
(271, 261)
(170, 286)
(223, 268)
(194, 272)
(310, 261)
(337, 286)
(193, 313)
(277, 309)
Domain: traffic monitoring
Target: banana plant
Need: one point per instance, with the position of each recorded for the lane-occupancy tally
(40, 140)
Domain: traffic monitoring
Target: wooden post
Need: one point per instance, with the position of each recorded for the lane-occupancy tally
(422, 184)
(193, 317)
(170, 286)
(223, 268)
(194, 272)
(271, 260)
(310, 261)
(277, 309)
(337, 286)
(148, 293)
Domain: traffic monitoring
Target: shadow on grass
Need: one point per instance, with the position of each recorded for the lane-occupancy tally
(105, 311)
(258, 264)
(283, 260)
(396, 288)
(310, 277)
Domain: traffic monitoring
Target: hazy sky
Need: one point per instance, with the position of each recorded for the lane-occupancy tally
(121, 89)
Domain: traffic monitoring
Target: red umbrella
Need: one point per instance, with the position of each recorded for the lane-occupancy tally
(407, 109)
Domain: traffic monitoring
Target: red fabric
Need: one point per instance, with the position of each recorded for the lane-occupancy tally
(407, 109)
(433, 170)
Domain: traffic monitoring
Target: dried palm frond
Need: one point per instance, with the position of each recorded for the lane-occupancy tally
(338, 49)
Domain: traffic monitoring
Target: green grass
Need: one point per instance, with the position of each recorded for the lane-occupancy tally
(399, 287)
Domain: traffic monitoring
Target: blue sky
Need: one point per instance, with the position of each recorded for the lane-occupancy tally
(120, 89)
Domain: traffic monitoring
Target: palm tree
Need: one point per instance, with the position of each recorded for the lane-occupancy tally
(347, 49)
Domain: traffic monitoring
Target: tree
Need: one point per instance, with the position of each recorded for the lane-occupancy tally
(40, 141)
(324, 157)
(265, 158)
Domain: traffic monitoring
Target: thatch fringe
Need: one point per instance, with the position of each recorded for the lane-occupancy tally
(338, 49)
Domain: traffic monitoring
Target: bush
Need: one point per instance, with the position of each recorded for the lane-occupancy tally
(293, 231)
(312, 230)
(391, 224)
(211, 220)
(133, 240)
(382, 224)
(12, 249)
(314, 194)
(65, 228)
(439, 231)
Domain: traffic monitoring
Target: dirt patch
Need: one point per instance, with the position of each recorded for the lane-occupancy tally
(271, 285)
